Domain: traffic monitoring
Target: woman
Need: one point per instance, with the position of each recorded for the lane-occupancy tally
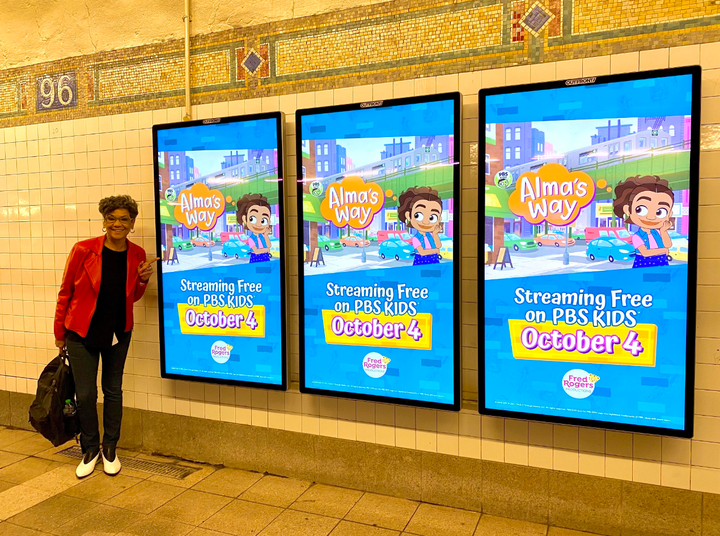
(103, 277)
(647, 202)
(420, 208)
(253, 212)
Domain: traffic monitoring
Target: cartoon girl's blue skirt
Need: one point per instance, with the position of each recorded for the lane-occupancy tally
(263, 257)
(650, 262)
(426, 259)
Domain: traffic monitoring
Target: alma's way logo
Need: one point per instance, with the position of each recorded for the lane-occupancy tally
(220, 351)
(579, 384)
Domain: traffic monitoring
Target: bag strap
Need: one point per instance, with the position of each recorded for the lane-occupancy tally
(64, 355)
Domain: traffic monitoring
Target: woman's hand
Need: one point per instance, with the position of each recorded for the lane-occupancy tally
(145, 270)
(59, 344)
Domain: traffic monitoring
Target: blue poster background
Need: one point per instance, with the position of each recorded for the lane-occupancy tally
(420, 375)
(252, 359)
(643, 396)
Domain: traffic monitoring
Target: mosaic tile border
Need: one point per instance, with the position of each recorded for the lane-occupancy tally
(502, 42)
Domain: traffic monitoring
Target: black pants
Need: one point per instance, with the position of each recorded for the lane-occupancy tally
(84, 362)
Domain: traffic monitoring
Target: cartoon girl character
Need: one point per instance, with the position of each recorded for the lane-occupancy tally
(253, 212)
(647, 202)
(420, 208)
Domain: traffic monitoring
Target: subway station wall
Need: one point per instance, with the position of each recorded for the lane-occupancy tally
(37, 31)
(56, 164)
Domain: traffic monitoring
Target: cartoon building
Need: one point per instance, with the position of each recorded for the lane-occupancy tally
(522, 143)
(308, 159)
(330, 158)
(494, 154)
(233, 159)
(671, 129)
(181, 168)
(610, 132)
(439, 144)
(395, 149)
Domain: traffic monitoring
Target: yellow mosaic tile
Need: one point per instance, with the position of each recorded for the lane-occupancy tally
(602, 15)
(8, 97)
(146, 77)
(164, 75)
(445, 32)
(365, 45)
(210, 69)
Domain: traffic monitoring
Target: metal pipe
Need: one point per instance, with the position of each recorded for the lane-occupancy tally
(186, 18)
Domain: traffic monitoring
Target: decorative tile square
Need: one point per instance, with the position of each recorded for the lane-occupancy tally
(536, 18)
(252, 62)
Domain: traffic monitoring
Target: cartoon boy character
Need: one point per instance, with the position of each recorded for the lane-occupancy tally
(647, 202)
(420, 208)
(253, 212)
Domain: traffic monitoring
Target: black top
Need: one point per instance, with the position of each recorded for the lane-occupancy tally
(109, 316)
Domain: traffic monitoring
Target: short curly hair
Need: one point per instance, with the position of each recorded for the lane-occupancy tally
(246, 202)
(411, 196)
(114, 202)
(626, 190)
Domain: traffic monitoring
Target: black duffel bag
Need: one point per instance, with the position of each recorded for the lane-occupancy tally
(53, 413)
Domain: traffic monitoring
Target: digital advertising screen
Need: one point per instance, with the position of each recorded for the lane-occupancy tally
(221, 277)
(378, 240)
(589, 269)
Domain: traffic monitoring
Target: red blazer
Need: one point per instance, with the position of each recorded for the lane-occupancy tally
(81, 284)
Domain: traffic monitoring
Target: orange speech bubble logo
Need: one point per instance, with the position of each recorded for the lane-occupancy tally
(352, 202)
(552, 194)
(199, 207)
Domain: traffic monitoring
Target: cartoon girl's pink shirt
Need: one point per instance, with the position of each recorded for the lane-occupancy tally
(637, 241)
(252, 244)
(416, 242)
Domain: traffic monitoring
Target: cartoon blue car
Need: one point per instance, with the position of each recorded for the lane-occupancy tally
(399, 249)
(675, 236)
(612, 249)
(235, 248)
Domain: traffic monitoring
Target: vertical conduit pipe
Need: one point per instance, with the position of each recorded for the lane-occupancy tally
(186, 18)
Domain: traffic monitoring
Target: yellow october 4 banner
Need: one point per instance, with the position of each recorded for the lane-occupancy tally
(610, 345)
(208, 320)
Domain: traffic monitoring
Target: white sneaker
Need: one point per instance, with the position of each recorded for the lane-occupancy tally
(87, 465)
(111, 468)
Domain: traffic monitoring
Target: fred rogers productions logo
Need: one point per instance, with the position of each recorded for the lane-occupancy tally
(220, 351)
(375, 365)
(579, 384)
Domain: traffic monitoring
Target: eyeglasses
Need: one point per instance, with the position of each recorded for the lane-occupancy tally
(112, 219)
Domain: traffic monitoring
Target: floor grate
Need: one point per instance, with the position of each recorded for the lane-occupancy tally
(146, 466)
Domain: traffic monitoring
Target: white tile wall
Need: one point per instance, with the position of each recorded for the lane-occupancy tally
(52, 175)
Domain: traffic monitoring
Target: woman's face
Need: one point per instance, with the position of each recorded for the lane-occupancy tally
(425, 215)
(118, 224)
(650, 210)
(257, 219)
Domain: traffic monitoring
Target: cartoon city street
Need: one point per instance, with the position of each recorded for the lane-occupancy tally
(230, 178)
(590, 230)
(386, 168)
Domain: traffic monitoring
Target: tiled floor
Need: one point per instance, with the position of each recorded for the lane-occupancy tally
(39, 495)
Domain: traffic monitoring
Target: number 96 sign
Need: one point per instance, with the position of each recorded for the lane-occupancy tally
(55, 92)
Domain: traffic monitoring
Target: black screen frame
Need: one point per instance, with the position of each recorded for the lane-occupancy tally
(687, 432)
(457, 203)
(280, 123)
